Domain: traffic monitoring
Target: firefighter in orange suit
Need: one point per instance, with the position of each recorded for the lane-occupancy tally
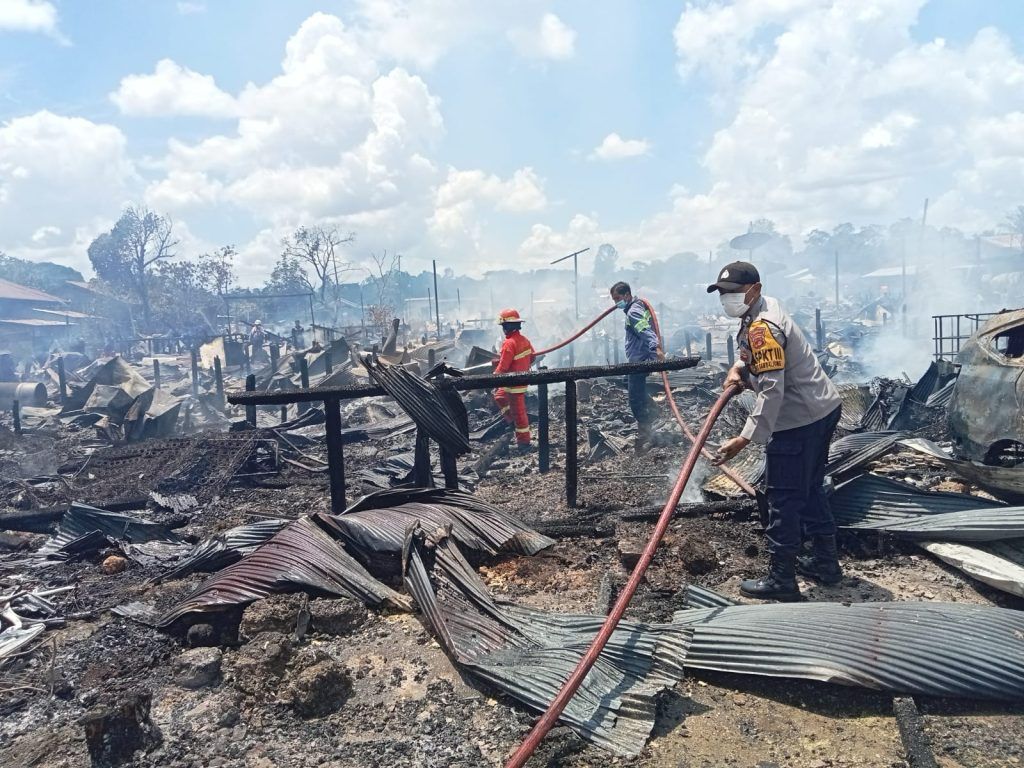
(516, 356)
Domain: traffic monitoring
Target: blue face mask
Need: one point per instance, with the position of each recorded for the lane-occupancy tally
(620, 304)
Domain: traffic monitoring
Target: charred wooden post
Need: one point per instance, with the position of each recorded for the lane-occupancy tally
(571, 448)
(422, 476)
(335, 454)
(303, 379)
(250, 410)
(607, 349)
(218, 378)
(328, 362)
(431, 358)
(730, 349)
(284, 413)
(707, 347)
(156, 373)
(689, 343)
(543, 438)
(247, 356)
(195, 372)
(572, 355)
(16, 413)
(62, 380)
(275, 354)
(450, 469)
(819, 331)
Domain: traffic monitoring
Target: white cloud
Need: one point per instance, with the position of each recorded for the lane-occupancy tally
(552, 39)
(188, 8)
(61, 178)
(614, 147)
(30, 16)
(172, 90)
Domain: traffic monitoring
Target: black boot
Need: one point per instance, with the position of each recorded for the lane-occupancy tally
(779, 584)
(822, 564)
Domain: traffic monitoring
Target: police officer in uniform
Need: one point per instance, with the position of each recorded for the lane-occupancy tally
(795, 415)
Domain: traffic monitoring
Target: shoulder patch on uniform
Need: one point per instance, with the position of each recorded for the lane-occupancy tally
(767, 353)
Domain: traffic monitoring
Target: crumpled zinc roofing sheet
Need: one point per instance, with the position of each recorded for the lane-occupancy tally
(427, 406)
(857, 398)
(847, 464)
(936, 649)
(224, 548)
(984, 524)
(528, 654)
(379, 522)
(81, 520)
(300, 557)
(870, 498)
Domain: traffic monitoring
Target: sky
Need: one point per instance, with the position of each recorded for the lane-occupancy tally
(505, 133)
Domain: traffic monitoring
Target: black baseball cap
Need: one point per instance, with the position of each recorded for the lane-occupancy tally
(734, 276)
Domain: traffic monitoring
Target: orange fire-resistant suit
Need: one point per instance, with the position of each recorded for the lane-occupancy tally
(516, 357)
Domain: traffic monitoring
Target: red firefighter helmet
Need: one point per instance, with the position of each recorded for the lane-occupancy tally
(509, 316)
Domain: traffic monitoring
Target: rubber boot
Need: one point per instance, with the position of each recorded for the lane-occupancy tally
(779, 584)
(822, 564)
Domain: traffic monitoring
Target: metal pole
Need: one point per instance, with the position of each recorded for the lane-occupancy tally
(837, 281)
(335, 454)
(195, 372)
(62, 380)
(707, 346)
(576, 282)
(437, 301)
(250, 410)
(571, 448)
(543, 438)
(156, 373)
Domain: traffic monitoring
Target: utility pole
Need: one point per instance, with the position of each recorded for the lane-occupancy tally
(575, 275)
(437, 301)
(837, 282)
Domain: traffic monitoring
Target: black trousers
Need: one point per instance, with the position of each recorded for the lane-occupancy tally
(795, 473)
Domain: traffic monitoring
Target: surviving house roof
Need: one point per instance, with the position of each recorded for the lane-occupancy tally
(13, 292)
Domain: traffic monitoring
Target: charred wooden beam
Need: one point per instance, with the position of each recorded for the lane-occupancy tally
(335, 455)
(571, 449)
(543, 430)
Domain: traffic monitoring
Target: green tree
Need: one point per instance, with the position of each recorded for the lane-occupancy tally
(317, 247)
(42, 275)
(124, 257)
(216, 271)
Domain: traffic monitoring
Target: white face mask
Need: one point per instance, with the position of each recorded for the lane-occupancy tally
(733, 304)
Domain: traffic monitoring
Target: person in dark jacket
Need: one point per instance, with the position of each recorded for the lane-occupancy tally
(642, 344)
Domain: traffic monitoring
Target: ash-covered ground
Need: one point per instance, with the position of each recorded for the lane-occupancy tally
(293, 681)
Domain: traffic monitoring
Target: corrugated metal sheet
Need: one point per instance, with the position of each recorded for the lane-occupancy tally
(528, 653)
(870, 498)
(842, 467)
(999, 564)
(848, 444)
(986, 524)
(428, 407)
(300, 557)
(936, 649)
(749, 464)
(856, 399)
(224, 549)
(942, 397)
(81, 521)
(702, 597)
(378, 523)
(14, 292)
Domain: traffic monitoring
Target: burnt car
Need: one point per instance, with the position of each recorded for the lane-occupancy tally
(986, 413)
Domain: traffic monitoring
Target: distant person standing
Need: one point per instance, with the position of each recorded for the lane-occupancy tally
(642, 345)
(257, 337)
(795, 415)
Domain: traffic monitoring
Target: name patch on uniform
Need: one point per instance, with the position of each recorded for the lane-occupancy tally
(768, 354)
